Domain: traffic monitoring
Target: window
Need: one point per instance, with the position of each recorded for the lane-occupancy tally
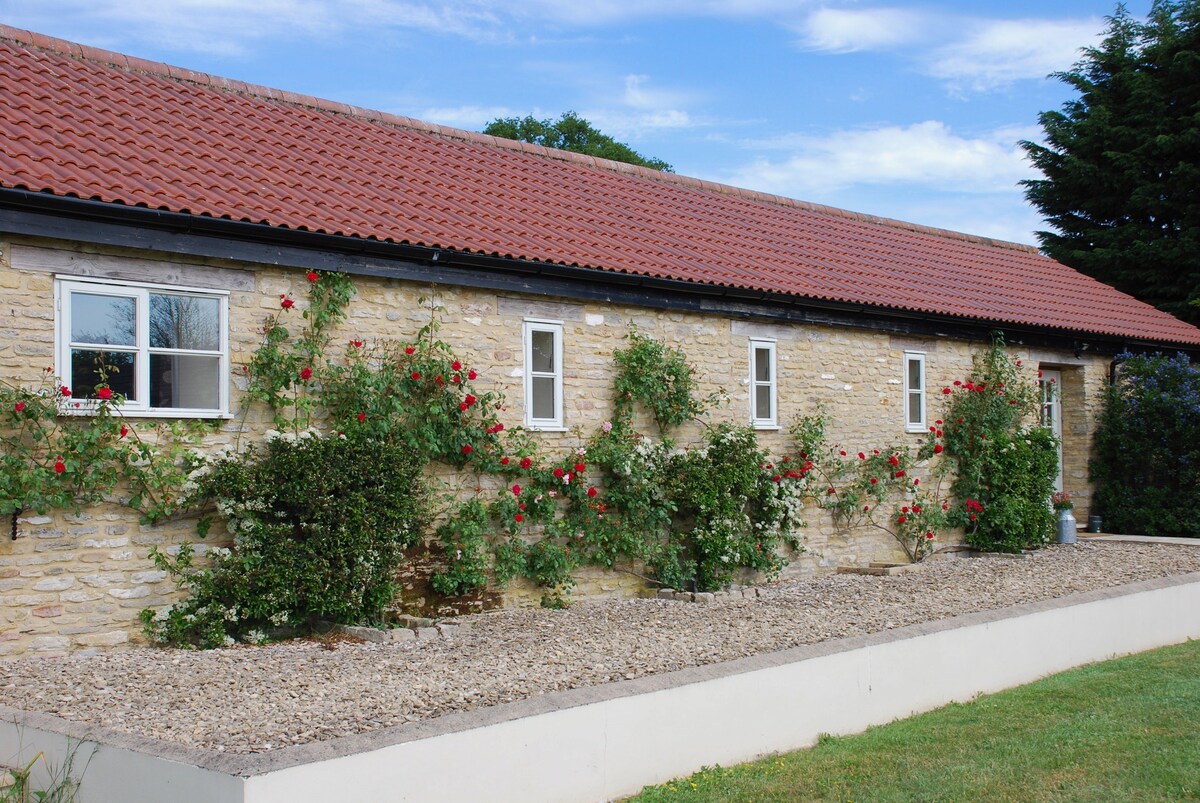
(543, 374)
(914, 391)
(165, 349)
(762, 383)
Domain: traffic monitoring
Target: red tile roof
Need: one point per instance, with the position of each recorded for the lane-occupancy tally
(76, 121)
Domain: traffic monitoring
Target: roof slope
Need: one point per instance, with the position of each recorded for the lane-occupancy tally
(76, 121)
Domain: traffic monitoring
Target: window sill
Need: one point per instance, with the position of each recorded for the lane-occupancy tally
(212, 415)
(537, 428)
(765, 427)
(913, 430)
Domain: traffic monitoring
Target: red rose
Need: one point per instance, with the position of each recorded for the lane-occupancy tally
(124, 430)
(104, 393)
(19, 407)
(456, 379)
(957, 384)
(558, 472)
(938, 422)
(463, 407)
(416, 375)
(456, 366)
(830, 491)
(356, 343)
(439, 380)
(899, 473)
(937, 448)
(471, 374)
(901, 519)
(862, 456)
(467, 449)
(526, 462)
(312, 276)
(306, 373)
(874, 481)
(591, 491)
(946, 391)
(842, 452)
(904, 509)
(362, 417)
(580, 468)
(972, 517)
(409, 350)
(59, 466)
(866, 508)
(775, 478)
(469, 399)
(519, 518)
(498, 428)
(516, 489)
(521, 507)
(286, 302)
(64, 390)
(929, 536)
(504, 461)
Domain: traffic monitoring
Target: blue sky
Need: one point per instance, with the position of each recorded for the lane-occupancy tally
(901, 109)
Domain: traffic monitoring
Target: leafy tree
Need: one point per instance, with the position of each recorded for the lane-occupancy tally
(571, 133)
(1122, 161)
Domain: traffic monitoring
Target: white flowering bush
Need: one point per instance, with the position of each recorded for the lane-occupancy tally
(319, 526)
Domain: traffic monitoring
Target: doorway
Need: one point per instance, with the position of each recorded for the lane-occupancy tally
(1050, 384)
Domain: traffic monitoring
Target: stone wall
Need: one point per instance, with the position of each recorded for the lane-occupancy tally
(78, 582)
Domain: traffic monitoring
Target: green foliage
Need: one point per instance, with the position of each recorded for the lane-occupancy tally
(57, 453)
(876, 488)
(1004, 470)
(1122, 160)
(319, 527)
(570, 133)
(1146, 459)
(658, 376)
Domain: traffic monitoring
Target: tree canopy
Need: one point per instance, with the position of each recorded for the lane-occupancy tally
(571, 133)
(1122, 161)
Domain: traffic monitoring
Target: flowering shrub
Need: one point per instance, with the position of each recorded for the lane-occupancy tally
(1004, 468)
(318, 524)
(877, 488)
(51, 460)
(650, 372)
(1146, 459)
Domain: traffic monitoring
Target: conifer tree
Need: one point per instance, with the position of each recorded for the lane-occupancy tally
(1122, 161)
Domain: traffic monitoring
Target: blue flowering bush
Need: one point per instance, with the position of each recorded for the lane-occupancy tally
(1146, 457)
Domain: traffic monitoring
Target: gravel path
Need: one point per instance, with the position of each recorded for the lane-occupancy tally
(254, 699)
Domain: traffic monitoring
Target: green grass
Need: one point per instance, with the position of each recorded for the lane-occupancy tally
(1123, 730)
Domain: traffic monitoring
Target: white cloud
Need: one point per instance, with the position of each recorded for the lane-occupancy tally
(838, 30)
(472, 118)
(927, 155)
(996, 53)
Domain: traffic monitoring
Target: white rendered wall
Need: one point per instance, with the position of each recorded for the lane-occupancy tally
(600, 743)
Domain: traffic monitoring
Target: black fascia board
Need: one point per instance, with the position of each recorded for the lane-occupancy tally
(39, 214)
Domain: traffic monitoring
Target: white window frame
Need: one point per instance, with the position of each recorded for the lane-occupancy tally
(773, 421)
(909, 391)
(140, 292)
(554, 424)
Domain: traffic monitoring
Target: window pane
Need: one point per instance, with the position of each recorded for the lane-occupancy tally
(542, 350)
(914, 375)
(111, 320)
(184, 380)
(118, 366)
(542, 403)
(762, 402)
(762, 365)
(916, 412)
(184, 322)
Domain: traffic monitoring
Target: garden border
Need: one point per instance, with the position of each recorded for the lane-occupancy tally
(600, 742)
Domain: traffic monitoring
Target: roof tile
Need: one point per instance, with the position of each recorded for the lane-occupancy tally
(82, 121)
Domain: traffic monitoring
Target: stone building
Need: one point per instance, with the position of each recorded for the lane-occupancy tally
(126, 183)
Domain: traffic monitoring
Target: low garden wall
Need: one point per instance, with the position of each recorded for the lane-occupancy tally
(601, 742)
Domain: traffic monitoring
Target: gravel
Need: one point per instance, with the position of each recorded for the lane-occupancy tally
(256, 699)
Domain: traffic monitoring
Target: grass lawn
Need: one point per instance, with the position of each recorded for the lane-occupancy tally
(1123, 730)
